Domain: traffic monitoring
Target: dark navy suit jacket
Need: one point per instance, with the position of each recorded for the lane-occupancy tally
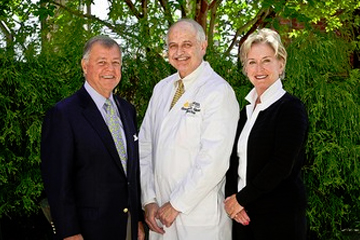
(275, 156)
(87, 188)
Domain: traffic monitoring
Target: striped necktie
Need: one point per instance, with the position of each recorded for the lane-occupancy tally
(179, 91)
(114, 126)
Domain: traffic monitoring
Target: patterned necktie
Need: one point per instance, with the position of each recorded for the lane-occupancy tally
(114, 126)
(179, 91)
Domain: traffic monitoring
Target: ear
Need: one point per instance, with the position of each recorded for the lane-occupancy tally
(84, 66)
(204, 45)
(282, 64)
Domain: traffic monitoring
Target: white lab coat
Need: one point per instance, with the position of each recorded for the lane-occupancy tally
(184, 155)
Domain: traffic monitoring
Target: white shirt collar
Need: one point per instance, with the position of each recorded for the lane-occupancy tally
(190, 79)
(271, 95)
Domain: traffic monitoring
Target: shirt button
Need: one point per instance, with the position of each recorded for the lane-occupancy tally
(125, 210)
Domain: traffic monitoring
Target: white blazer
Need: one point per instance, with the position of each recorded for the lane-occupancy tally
(184, 155)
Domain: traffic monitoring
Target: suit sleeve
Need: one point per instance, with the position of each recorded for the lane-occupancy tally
(57, 163)
(140, 215)
(289, 137)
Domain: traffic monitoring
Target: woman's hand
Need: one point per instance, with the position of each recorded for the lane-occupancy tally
(236, 211)
(242, 218)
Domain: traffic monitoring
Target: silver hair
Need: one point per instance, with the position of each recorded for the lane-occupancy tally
(264, 35)
(200, 33)
(104, 41)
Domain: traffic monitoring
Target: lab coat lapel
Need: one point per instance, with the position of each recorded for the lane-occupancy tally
(190, 93)
(168, 94)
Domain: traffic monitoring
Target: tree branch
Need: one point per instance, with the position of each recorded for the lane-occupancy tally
(168, 16)
(119, 29)
(133, 9)
(258, 23)
(214, 3)
(6, 31)
(260, 16)
(213, 8)
(144, 8)
(9, 34)
(201, 12)
(183, 10)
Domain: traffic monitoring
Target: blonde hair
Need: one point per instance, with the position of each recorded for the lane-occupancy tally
(264, 35)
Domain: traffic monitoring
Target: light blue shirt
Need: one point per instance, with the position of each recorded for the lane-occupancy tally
(100, 101)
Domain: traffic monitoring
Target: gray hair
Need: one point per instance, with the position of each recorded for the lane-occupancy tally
(200, 33)
(264, 35)
(104, 41)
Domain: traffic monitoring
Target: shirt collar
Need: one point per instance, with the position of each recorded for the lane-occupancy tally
(97, 97)
(190, 79)
(271, 95)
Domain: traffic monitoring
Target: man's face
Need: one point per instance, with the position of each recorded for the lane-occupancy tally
(185, 51)
(103, 68)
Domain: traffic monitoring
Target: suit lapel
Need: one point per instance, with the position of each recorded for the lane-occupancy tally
(94, 117)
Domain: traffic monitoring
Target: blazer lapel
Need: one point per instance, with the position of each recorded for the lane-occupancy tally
(94, 117)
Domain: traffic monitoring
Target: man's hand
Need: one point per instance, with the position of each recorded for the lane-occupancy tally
(151, 211)
(236, 211)
(167, 214)
(141, 232)
(75, 237)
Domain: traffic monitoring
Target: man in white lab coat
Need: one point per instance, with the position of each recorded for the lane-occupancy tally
(185, 144)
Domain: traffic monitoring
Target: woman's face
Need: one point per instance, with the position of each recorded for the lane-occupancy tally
(262, 67)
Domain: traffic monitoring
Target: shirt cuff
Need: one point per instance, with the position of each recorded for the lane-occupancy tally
(152, 200)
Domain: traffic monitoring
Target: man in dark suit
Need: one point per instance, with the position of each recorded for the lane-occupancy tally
(89, 154)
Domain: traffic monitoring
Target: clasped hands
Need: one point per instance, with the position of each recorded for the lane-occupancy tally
(166, 214)
(236, 211)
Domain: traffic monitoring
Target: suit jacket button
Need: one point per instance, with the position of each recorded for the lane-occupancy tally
(125, 210)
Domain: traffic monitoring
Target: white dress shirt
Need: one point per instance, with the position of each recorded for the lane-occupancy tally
(270, 96)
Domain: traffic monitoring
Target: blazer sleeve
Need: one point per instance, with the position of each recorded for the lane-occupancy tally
(57, 165)
(290, 130)
(137, 174)
(232, 173)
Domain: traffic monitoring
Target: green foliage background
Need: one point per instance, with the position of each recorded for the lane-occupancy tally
(318, 72)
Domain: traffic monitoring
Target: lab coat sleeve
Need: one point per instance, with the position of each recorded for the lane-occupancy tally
(146, 165)
(218, 128)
